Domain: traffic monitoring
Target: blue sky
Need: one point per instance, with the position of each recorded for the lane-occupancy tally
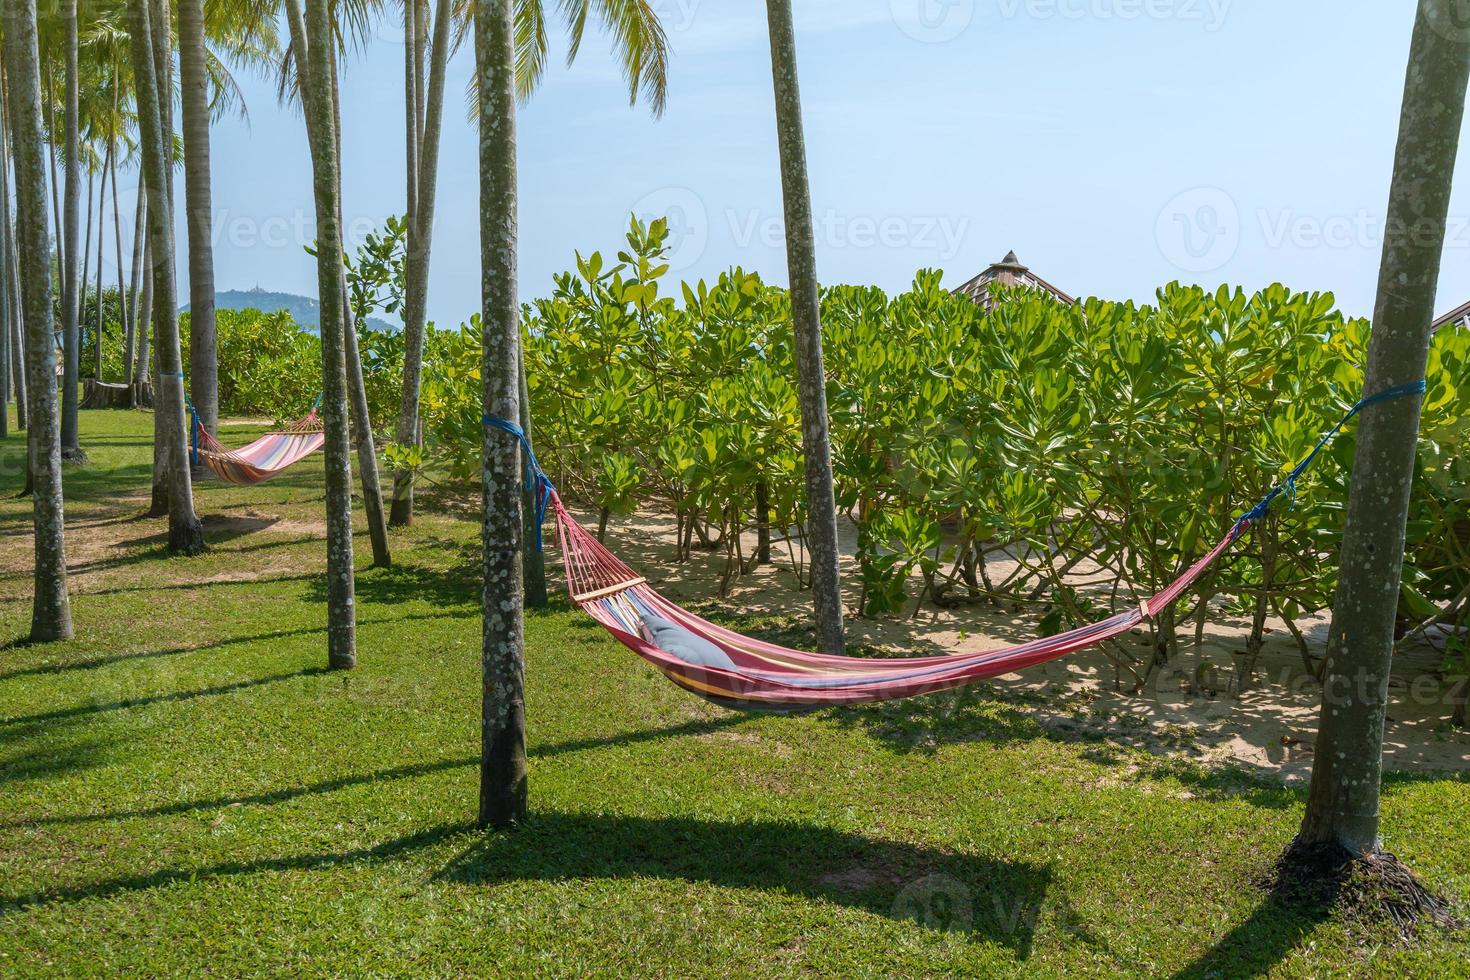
(1114, 144)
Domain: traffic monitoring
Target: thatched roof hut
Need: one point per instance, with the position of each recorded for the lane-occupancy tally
(1008, 272)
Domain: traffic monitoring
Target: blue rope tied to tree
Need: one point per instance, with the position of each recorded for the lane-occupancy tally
(537, 482)
(318, 403)
(1288, 485)
(195, 424)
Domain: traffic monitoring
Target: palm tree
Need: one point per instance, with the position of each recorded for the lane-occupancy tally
(642, 49)
(171, 450)
(503, 768)
(423, 160)
(510, 49)
(245, 29)
(314, 41)
(9, 273)
(71, 208)
(194, 100)
(806, 322)
(1342, 813)
(51, 608)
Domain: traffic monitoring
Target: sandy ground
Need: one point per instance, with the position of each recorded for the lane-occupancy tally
(1268, 729)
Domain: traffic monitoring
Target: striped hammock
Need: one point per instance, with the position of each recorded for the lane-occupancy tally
(740, 672)
(748, 674)
(268, 456)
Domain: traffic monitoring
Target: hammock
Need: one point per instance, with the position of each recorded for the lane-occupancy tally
(740, 672)
(268, 456)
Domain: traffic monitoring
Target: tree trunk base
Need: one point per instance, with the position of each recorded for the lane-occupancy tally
(186, 539)
(159, 505)
(400, 514)
(74, 456)
(1368, 888)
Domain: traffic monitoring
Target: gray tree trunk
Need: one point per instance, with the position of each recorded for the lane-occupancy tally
(420, 242)
(171, 454)
(122, 286)
(533, 559)
(503, 767)
(71, 208)
(85, 271)
(163, 67)
(806, 322)
(144, 316)
(411, 83)
(86, 247)
(1343, 804)
(101, 251)
(51, 608)
(362, 432)
(194, 98)
(315, 33)
(132, 336)
(10, 274)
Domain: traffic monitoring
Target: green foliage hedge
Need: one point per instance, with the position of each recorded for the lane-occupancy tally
(1128, 437)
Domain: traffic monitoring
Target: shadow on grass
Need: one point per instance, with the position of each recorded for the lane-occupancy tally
(93, 663)
(286, 793)
(85, 710)
(1261, 942)
(986, 899)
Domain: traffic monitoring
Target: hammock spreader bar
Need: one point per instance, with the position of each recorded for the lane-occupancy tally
(745, 673)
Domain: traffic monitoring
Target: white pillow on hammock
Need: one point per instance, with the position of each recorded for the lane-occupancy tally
(674, 639)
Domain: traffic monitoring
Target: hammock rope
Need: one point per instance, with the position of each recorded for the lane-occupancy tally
(744, 673)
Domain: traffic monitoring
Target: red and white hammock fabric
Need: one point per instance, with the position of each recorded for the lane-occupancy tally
(268, 456)
(764, 676)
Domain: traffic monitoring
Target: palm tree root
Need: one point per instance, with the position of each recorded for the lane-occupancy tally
(1369, 888)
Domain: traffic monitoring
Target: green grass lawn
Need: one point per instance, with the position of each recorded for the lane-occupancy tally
(184, 789)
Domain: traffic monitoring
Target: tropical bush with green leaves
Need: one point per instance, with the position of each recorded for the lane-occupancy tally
(1103, 446)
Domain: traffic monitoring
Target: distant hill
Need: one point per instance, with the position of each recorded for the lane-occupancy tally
(303, 309)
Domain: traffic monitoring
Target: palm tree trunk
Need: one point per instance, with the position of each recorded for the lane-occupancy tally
(163, 71)
(367, 454)
(122, 291)
(10, 274)
(185, 534)
(144, 318)
(101, 251)
(194, 96)
(315, 35)
(503, 767)
(86, 248)
(70, 213)
(533, 560)
(132, 335)
(410, 111)
(51, 608)
(1343, 804)
(806, 317)
(420, 237)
